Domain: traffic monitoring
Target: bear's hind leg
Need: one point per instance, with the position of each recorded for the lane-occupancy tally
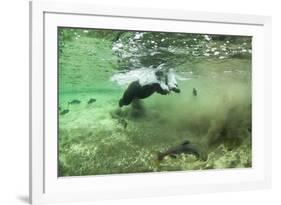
(129, 94)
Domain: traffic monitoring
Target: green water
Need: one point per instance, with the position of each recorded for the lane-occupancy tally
(101, 138)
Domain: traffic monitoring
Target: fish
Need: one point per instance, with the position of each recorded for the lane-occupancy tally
(194, 92)
(73, 102)
(64, 112)
(92, 100)
(184, 148)
(123, 122)
(249, 129)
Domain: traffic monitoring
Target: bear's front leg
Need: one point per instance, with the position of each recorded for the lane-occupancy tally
(176, 90)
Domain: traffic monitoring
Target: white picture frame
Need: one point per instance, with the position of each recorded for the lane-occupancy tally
(46, 187)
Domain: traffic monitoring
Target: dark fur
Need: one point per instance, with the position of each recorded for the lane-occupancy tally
(136, 91)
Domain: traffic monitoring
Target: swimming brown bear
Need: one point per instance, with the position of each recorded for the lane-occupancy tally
(137, 91)
(160, 80)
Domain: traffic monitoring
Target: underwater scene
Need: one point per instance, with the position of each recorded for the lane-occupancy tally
(138, 101)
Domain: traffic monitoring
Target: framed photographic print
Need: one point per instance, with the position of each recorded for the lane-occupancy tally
(130, 102)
